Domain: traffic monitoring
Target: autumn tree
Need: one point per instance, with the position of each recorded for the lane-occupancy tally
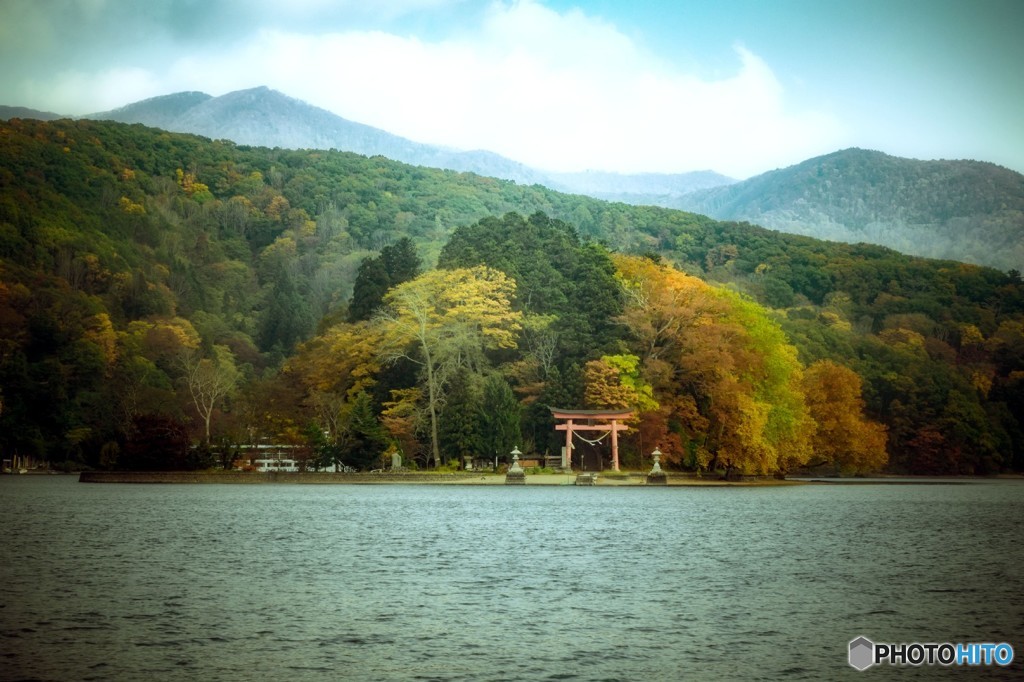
(208, 380)
(614, 382)
(149, 354)
(723, 370)
(844, 435)
(336, 366)
(401, 417)
(775, 376)
(444, 320)
(671, 317)
(663, 306)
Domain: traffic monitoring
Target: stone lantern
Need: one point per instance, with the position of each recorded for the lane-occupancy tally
(515, 474)
(656, 475)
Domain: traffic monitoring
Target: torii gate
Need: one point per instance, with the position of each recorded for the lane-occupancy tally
(611, 422)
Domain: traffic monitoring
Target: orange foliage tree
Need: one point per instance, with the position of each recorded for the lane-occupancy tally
(725, 376)
(844, 435)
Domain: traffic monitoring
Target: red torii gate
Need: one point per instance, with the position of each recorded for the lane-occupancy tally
(611, 422)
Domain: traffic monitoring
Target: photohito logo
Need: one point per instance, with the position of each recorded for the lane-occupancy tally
(864, 653)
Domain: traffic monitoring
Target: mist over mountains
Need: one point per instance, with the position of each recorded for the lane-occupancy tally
(267, 118)
(963, 210)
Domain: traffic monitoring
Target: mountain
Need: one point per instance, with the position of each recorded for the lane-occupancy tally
(7, 112)
(965, 210)
(157, 112)
(267, 118)
(655, 189)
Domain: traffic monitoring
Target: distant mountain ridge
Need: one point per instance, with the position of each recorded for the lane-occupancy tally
(8, 112)
(637, 188)
(267, 118)
(962, 210)
(164, 111)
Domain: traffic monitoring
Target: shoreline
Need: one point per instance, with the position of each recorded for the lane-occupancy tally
(485, 479)
(417, 478)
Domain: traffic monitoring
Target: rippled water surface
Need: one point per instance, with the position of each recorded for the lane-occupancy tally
(212, 582)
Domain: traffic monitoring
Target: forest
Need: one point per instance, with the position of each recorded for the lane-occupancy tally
(967, 210)
(166, 298)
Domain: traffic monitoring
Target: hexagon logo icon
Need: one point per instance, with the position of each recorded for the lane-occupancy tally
(862, 653)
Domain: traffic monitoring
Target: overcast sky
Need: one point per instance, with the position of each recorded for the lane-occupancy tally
(740, 87)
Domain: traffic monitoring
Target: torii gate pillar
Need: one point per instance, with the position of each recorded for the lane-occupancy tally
(612, 419)
(568, 445)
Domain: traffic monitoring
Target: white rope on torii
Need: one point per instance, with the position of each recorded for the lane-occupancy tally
(592, 442)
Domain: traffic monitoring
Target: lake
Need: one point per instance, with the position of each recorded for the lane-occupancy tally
(310, 582)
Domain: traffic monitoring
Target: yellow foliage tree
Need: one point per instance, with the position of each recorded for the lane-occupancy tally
(844, 435)
(160, 340)
(614, 382)
(100, 331)
(335, 367)
(725, 372)
(130, 207)
(662, 305)
(443, 320)
(343, 360)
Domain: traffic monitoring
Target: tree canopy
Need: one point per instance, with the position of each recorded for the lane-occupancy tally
(444, 321)
(121, 246)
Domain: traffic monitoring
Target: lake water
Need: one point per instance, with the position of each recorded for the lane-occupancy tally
(221, 582)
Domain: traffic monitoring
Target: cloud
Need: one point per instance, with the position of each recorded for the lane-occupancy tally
(319, 9)
(555, 90)
(65, 91)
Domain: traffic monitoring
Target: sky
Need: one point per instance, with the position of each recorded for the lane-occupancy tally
(740, 87)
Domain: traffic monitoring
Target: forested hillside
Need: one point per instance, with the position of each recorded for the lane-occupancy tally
(159, 288)
(967, 210)
(267, 118)
(964, 210)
